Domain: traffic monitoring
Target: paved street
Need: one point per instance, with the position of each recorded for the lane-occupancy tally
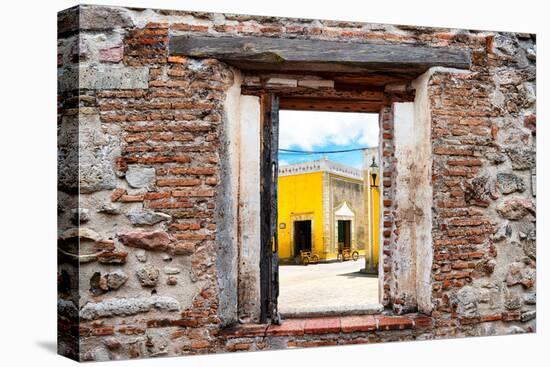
(323, 287)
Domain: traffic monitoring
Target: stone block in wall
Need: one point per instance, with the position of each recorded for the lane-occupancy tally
(103, 77)
(112, 54)
(114, 77)
(97, 155)
(127, 306)
(522, 157)
(93, 18)
(140, 177)
(99, 18)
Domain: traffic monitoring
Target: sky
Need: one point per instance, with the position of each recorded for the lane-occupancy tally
(322, 131)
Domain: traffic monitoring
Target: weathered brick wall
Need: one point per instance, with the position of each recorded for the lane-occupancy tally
(387, 182)
(483, 138)
(142, 269)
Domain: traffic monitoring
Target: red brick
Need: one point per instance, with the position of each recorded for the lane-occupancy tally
(158, 323)
(464, 162)
(179, 182)
(177, 59)
(358, 323)
(456, 194)
(131, 198)
(287, 328)
(239, 347)
(183, 248)
(495, 317)
(393, 323)
(469, 222)
(189, 27)
(458, 172)
(192, 171)
(178, 334)
(112, 118)
(271, 29)
(244, 330)
(105, 245)
(199, 344)
(530, 122)
(103, 331)
(470, 320)
(191, 236)
(185, 323)
(189, 105)
(112, 257)
(294, 29)
(321, 325)
(190, 193)
(312, 343)
(511, 316)
(193, 313)
(117, 194)
(185, 226)
(422, 321)
(452, 151)
(130, 330)
(156, 195)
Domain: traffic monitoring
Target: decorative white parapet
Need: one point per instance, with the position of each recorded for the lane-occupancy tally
(321, 165)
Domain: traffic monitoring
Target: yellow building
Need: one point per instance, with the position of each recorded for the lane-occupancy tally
(323, 209)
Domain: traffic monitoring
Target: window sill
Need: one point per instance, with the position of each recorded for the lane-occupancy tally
(369, 309)
(331, 325)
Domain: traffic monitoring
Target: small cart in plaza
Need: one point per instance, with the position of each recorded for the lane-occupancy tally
(346, 254)
(308, 257)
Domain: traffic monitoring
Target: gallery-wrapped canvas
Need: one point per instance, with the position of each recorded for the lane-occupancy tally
(197, 213)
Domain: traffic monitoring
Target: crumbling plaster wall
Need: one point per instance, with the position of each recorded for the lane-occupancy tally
(152, 268)
(227, 204)
(423, 194)
(249, 210)
(413, 197)
(413, 257)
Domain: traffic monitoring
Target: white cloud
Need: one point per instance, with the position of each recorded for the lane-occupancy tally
(308, 129)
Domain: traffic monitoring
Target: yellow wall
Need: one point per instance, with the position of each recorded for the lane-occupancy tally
(375, 215)
(300, 195)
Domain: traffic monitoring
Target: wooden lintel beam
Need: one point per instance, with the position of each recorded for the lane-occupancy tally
(311, 93)
(325, 104)
(263, 53)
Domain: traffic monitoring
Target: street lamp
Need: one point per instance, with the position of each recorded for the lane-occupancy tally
(373, 174)
(372, 190)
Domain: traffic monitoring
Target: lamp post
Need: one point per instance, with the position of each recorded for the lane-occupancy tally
(372, 171)
(373, 168)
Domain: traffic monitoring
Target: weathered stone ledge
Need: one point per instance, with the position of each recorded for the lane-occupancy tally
(329, 325)
(354, 323)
